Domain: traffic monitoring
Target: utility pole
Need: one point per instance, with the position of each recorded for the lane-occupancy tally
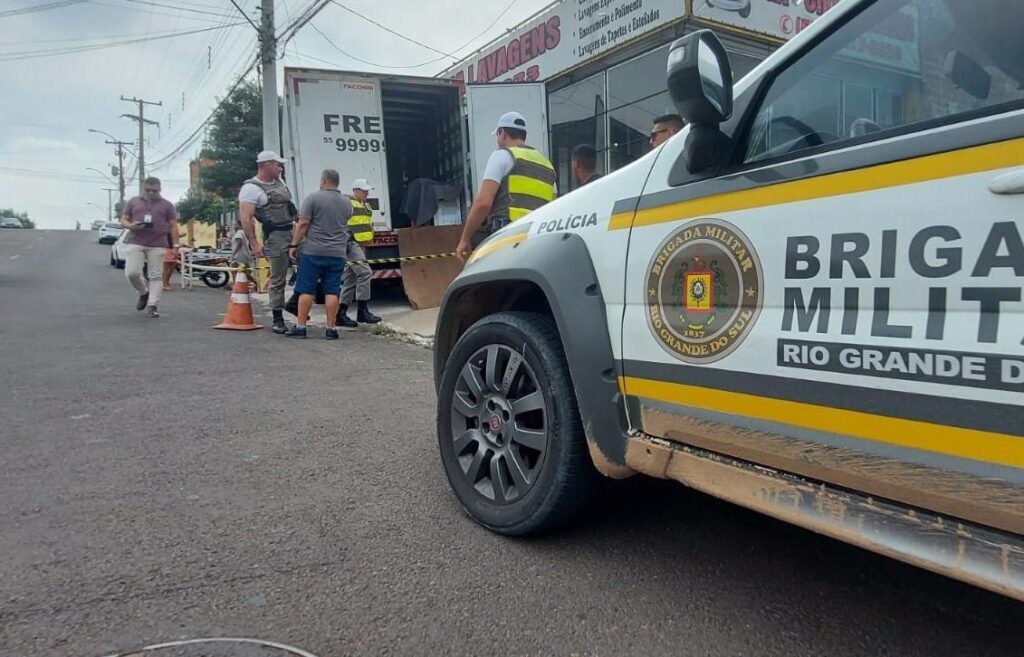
(110, 203)
(268, 61)
(142, 121)
(120, 165)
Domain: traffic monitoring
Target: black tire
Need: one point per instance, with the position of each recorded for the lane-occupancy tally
(120, 264)
(216, 279)
(113, 263)
(560, 478)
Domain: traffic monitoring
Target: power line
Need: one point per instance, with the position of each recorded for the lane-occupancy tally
(58, 175)
(204, 61)
(409, 66)
(305, 16)
(150, 11)
(132, 35)
(233, 71)
(197, 78)
(389, 30)
(13, 57)
(245, 15)
(360, 59)
(191, 139)
(181, 8)
(32, 10)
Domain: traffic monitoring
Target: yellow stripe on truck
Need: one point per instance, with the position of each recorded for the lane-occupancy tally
(971, 444)
(893, 174)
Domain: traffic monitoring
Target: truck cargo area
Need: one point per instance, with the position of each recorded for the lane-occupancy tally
(423, 127)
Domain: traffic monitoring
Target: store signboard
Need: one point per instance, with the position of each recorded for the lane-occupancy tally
(781, 19)
(567, 34)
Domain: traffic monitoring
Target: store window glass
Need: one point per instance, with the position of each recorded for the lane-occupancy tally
(741, 65)
(576, 116)
(636, 96)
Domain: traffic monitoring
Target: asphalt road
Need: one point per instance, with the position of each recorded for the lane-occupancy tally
(160, 480)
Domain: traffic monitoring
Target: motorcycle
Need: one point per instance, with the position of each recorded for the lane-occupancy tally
(214, 279)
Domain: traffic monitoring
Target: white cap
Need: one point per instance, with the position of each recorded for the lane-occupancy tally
(363, 184)
(268, 156)
(511, 120)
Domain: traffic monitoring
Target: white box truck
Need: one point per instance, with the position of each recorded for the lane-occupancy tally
(393, 129)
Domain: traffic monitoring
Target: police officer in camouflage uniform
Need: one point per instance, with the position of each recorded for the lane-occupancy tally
(356, 279)
(266, 198)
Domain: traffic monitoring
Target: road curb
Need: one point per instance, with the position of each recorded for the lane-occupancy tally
(383, 329)
(393, 331)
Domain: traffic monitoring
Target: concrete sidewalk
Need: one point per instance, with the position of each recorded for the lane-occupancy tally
(398, 318)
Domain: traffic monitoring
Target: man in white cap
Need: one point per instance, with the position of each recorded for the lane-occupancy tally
(266, 197)
(355, 281)
(516, 181)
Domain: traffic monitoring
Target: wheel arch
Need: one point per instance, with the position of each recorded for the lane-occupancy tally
(552, 275)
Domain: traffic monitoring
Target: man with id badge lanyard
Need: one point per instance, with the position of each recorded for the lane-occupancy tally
(152, 224)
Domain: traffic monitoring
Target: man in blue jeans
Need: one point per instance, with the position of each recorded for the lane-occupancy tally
(323, 233)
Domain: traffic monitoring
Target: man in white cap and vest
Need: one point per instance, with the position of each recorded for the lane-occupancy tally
(266, 197)
(355, 282)
(516, 181)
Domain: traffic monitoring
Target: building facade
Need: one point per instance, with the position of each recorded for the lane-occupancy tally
(603, 63)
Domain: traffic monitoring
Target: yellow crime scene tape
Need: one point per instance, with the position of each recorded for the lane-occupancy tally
(373, 261)
(380, 261)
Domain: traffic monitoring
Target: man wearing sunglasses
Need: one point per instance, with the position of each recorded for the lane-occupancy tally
(664, 127)
(152, 224)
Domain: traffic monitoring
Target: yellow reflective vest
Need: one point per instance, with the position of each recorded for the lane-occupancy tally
(361, 221)
(529, 185)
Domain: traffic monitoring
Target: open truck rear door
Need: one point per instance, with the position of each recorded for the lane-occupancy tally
(486, 102)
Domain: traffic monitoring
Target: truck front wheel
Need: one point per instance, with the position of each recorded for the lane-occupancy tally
(509, 428)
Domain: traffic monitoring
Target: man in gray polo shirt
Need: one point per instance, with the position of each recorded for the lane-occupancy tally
(323, 222)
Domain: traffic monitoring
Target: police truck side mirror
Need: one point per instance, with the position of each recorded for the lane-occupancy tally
(700, 84)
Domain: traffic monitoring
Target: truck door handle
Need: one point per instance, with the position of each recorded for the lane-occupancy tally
(1008, 183)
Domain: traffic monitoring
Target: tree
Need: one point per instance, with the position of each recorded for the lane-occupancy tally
(204, 207)
(235, 137)
(21, 216)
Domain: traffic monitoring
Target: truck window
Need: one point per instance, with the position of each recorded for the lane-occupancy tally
(899, 65)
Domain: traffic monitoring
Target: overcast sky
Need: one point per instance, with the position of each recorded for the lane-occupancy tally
(47, 103)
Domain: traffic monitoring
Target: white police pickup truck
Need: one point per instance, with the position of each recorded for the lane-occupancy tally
(808, 302)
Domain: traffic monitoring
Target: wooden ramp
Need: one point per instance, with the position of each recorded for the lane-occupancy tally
(425, 281)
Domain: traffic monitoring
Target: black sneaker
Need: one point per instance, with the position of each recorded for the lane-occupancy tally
(296, 332)
(364, 316)
(332, 334)
(346, 322)
(142, 302)
(151, 312)
(279, 326)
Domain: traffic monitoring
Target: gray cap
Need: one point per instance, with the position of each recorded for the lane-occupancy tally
(269, 156)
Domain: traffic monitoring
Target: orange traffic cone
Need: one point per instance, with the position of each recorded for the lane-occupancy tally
(238, 316)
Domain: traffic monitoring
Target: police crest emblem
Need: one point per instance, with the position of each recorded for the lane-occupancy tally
(703, 290)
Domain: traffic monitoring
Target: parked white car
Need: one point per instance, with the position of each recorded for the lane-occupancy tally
(117, 255)
(109, 233)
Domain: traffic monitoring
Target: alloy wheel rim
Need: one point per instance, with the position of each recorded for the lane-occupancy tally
(499, 423)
